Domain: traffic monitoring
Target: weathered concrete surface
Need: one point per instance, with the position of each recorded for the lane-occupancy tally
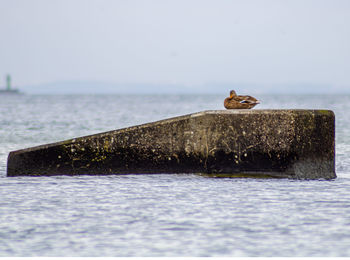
(258, 143)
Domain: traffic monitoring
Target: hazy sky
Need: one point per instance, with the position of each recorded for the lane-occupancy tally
(186, 42)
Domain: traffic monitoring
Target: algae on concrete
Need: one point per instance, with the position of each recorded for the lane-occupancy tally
(273, 143)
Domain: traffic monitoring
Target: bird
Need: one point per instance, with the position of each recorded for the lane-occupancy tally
(240, 102)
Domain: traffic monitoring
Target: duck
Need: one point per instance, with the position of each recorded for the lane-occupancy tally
(240, 102)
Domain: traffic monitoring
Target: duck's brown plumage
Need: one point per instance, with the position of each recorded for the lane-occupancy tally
(240, 102)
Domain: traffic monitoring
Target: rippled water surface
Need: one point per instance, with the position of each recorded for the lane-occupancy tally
(163, 215)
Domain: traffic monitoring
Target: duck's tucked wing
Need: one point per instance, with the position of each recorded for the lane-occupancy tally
(247, 100)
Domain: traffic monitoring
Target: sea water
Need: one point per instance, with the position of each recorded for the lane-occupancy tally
(166, 214)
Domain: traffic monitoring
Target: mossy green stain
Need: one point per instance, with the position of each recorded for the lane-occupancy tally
(325, 112)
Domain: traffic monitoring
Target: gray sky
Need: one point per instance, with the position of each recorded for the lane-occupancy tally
(187, 42)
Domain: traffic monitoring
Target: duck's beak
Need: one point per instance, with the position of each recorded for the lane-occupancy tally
(257, 102)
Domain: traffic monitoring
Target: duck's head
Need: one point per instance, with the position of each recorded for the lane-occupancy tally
(232, 93)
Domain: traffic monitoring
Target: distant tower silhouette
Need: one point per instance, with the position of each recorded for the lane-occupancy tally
(8, 81)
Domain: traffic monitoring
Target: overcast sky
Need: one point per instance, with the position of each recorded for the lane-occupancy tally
(184, 42)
